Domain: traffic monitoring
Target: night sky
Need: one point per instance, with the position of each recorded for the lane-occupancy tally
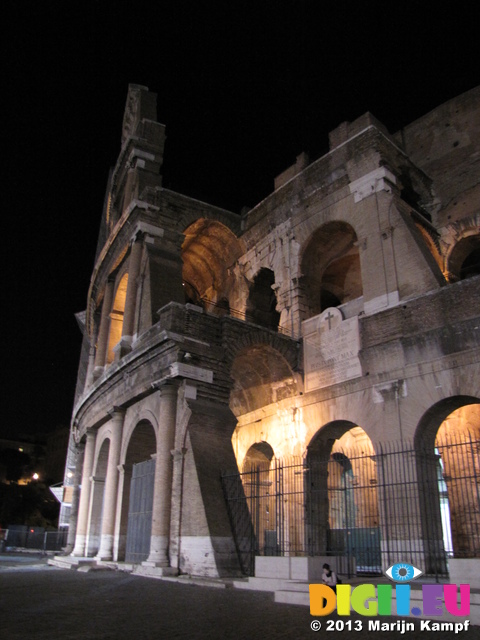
(243, 87)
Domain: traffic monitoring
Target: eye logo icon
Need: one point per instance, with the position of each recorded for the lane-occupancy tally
(402, 572)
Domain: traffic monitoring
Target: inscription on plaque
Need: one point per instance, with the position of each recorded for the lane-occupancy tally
(331, 347)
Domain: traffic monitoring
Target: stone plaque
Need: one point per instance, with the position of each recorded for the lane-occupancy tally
(330, 346)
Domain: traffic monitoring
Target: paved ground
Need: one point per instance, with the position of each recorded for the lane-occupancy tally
(38, 602)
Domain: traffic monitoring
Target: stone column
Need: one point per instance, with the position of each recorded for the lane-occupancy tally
(102, 345)
(111, 485)
(162, 493)
(83, 508)
(121, 521)
(178, 456)
(77, 479)
(131, 296)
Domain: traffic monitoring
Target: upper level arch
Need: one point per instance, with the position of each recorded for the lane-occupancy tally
(116, 317)
(464, 259)
(209, 252)
(460, 241)
(330, 266)
(262, 301)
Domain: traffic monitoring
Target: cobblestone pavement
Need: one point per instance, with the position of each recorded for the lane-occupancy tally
(38, 602)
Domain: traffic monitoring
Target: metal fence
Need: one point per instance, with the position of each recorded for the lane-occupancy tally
(35, 538)
(369, 510)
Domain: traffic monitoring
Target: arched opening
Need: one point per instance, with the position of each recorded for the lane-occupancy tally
(342, 515)
(138, 474)
(262, 301)
(261, 376)
(259, 454)
(464, 260)
(331, 267)
(116, 318)
(257, 480)
(97, 493)
(209, 252)
(447, 444)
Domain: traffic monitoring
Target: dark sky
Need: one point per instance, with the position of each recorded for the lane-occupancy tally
(243, 87)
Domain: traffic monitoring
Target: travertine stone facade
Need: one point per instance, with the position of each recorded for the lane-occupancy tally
(194, 352)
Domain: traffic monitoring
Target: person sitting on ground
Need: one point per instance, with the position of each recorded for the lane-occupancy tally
(329, 577)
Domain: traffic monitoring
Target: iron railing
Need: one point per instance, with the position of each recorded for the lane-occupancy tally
(368, 509)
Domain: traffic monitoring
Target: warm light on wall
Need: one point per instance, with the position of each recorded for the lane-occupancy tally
(116, 318)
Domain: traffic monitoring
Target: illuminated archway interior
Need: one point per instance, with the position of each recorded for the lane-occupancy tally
(331, 267)
(209, 252)
(116, 318)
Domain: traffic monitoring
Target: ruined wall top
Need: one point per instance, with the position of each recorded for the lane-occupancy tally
(347, 130)
(445, 143)
(141, 104)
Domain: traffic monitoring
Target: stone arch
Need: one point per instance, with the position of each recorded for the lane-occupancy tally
(434, 417)
(262, 300)
(116, 317)
(142, 416)
(447, 442)
(261, 375)
(190, 217)
(341, 495)
(97, 493)
(260, 453)
(237, 338)
(330, 266)
(209, 253)
(140, 447)
(258, 478)
(464, 258)
(459, 242)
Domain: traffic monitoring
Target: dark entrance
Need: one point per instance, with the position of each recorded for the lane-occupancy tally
(140, 512)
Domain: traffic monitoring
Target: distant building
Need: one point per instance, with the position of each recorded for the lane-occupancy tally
(325, 343)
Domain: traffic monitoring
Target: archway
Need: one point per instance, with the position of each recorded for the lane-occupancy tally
(209, 252)
(342, 517)
(331, 267)
(138, 472)
(447, 443)
(261, 376)
(464, 259)
(116, 318)
(257, 485)
(262, 301)
(97, 493)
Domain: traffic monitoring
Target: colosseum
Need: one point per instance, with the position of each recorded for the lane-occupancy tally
(260, 392)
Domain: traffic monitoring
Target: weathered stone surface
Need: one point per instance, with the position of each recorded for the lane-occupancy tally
(384, 230)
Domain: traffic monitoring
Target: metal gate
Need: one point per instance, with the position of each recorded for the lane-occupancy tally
(140, 512)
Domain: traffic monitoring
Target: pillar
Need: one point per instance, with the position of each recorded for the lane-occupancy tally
(83, 508)
(111, 485)
(77, 479)
(102, 345)
(178, 460)
(163, 478)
